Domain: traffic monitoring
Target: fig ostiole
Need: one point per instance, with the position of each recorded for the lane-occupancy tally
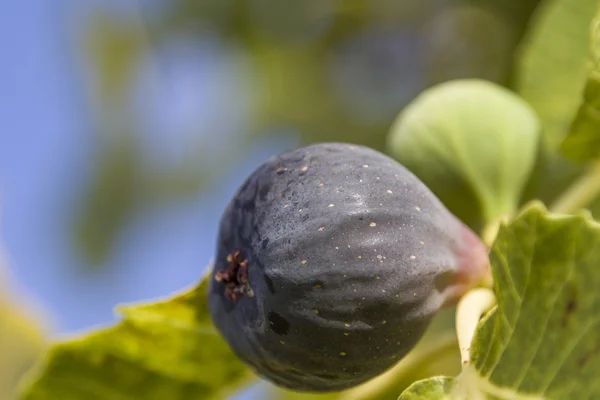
(331, 261)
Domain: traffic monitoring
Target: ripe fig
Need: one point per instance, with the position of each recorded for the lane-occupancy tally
(331, 261)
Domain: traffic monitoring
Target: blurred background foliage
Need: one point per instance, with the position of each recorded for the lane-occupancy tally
(327, 70)
(167, 128)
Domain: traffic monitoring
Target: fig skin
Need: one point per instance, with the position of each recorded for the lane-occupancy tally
(331, 261)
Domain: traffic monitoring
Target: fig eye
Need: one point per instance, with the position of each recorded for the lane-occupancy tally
(235, 277)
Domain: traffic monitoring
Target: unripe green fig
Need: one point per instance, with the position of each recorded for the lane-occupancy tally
(473, 143)
(331, 261)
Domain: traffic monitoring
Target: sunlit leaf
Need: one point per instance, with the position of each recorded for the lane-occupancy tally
(541, 340)
(21, 342)
(163, 350)
(22, 336)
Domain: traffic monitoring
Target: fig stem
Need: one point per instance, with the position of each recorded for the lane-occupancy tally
(489, 233)
(469, 310)
(488, 236)
(581, 193)
(404, 372)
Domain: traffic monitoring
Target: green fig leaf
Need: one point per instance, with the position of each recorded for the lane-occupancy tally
(583, 142)
(541, 340)
(473, 133)
(163, 350)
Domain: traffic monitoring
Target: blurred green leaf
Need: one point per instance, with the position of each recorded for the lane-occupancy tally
(550, 73)
(114, 45)
(583, 142)
(295, 93)
(474, 39)
(390, 13)
(21, 342)
(109, 201)
(430, 389)
(552, 63)
(472, 142)
(467, 41)
(126, 178)
(304, 21)
(163, 350)
(301, 85)
(515, 13)
(22, 337)
(124, 181)
(198, 14)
